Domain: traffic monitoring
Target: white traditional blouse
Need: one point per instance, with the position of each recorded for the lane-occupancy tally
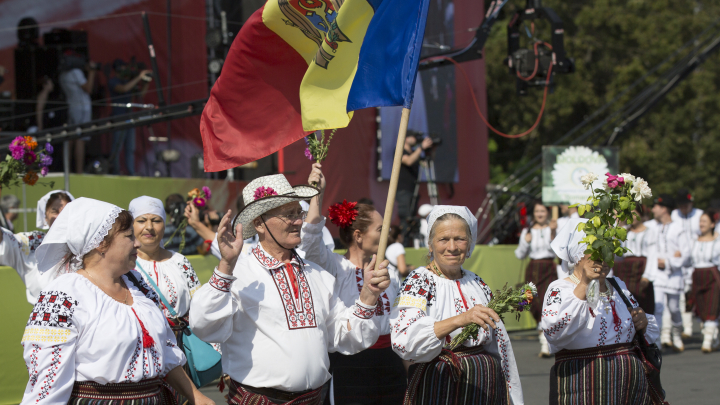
(706, 254)
(276, 322)
(571, 323)
(18, 251)
(670, 238)
(424, 299)
(76, 332)
(176, 279)
(348, 277)
(539, 246)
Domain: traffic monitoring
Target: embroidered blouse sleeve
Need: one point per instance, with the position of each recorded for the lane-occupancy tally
(413, 331)
(191, 278)
(49, 344)
(523, 248)
(215, 248)
(173, 356)
(648, 246)
(684, 247)
(315, 248)
(563, 314)
(364, 329)
(16, 250)
(213, 308)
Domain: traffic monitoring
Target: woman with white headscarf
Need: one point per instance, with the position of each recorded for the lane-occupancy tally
(592, 337)
(434, 304)
(96, 334)
(18, 250)
(170, 271)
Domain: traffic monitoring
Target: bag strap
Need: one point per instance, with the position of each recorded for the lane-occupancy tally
(157, 290)
(626, 301)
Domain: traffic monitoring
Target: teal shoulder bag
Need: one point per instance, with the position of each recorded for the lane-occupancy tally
(204, 362)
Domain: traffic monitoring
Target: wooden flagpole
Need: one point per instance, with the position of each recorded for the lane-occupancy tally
(397, 162)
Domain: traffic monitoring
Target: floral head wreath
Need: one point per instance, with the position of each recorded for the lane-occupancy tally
(343, 214)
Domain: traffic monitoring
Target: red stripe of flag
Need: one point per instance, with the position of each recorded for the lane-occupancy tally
(254, 106)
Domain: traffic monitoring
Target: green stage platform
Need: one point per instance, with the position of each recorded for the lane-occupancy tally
(497, 265)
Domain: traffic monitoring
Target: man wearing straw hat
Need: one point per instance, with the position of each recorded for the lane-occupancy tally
(275, 315)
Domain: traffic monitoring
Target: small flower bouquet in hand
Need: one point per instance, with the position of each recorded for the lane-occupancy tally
(199, 198)
(24, 162)
(607, 210)
(508, 299)
(317, 146)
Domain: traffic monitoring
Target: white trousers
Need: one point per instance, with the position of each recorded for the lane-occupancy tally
(673, 308)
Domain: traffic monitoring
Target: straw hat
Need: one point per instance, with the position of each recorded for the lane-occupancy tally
(267, 193)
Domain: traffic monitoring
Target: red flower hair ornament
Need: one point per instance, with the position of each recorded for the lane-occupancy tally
(343, 214)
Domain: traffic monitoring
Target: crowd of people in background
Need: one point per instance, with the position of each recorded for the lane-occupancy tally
(671, 268)
(293, 320)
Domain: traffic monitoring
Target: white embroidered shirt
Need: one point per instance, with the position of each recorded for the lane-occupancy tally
(348, 277)
(706, 254)
(18, 251)
(571, 323)
(177, 281)
(274, 335)
(538, 247)
(76, 332)
(425, 298)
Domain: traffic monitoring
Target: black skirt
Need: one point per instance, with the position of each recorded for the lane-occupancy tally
(371, 377)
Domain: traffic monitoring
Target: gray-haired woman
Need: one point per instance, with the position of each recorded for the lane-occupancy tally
(433, 305)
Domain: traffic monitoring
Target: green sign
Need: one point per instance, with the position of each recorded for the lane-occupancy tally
(564, 165)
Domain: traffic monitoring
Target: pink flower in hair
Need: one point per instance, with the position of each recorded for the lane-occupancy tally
(262, 192)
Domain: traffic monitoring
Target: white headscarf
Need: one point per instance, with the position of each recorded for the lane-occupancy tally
(81, 227)
(566, 244)
(463, 212)
(147, 205)
(42, 204)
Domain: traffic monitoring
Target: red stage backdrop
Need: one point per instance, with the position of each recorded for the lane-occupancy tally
(351, 165)
(115, 30)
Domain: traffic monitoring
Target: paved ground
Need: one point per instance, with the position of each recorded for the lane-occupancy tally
(690, 378)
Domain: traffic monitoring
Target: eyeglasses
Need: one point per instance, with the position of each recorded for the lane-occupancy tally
(292, 217)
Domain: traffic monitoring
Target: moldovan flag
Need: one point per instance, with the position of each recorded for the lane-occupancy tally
(329, 56)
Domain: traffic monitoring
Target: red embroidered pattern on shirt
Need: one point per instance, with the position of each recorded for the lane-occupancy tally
(220, 283)
(558, 327)
(554, 297)
(631, 331)
(52, 370)
(592, 312)
(53, 309)
(300, 312)
(548, 312)
(382, 306)
(484, 287)
(189, 273)
(172, 291)
(33, 367)
(269, 261)
(362, 312)
(399, 348)
(400, 325)
(130, 372)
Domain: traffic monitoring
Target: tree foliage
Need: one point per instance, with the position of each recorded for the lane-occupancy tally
(615, 42)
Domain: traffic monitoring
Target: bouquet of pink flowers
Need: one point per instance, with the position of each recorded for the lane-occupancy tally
(24, 162)
(199, 198)
(317, 146)
(506, 300)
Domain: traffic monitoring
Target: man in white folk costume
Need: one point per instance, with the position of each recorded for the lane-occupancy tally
(672, 253)
(275, 315)
(689, 217)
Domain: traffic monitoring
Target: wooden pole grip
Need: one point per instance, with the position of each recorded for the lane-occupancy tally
(392, 190)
